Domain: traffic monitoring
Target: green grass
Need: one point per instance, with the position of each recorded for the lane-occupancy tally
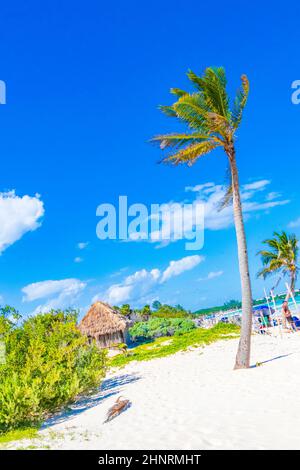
(17, 434)
(166, 346)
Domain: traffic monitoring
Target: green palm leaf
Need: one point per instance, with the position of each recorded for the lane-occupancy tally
(240, 102)
(281, 255)
(190, 154)
(178, 140)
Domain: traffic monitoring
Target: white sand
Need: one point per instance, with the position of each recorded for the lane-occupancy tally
(193, 400)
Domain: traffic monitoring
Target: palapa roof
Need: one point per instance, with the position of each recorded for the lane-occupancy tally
(102, 319)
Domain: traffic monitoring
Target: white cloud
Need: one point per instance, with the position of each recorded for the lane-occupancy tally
(199, 187)
(177, 267)
(82, 245)
(136, 285)
(211, 195)
(173, 216)
(217, 220)
(140, 285)
(211, 275)
(272, 195)
(18, 215)
(116, 294)
(78, 259)
(256, 185)
(295, 223)
(57, 294)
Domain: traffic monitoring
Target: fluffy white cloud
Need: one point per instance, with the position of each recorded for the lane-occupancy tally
(211, 275)
(140, 284)
(57, 294)
(78, 259)
(136, 285)
(18, 215)
(116, 294)
(177, 267)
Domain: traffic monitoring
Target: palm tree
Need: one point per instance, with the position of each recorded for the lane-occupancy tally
(213, 123)
(280, 258)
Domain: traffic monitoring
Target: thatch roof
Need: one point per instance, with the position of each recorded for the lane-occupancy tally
(102, 319)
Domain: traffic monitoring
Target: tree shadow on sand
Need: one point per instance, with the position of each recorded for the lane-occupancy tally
(108, 388)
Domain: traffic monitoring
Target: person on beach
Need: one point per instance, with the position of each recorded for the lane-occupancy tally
(287, 316)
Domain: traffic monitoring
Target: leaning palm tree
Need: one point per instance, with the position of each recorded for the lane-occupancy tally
(280, 257)
(213, 123)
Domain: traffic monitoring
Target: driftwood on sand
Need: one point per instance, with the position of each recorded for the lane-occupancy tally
(119, 406)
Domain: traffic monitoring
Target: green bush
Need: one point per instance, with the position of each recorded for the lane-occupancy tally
(157, 327)
(48, 363)
(162, 347)
(167, 311)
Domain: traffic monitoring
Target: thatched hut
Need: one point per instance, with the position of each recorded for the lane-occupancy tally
(105, 325)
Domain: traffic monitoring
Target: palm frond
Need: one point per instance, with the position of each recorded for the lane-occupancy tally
(218, 124)
(178, 92)
(228, 197)
(168, 111)
(267, 256)
(266, 272)
(281, 255)
(178, 140)
(213, 87)
(240, 102)
(205, 112)
(191, 109)
(190, 154)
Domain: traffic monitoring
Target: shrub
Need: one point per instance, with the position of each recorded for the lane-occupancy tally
(48, 363)
(157, 327)
(124, 310)
(167, 311)
(161, 348)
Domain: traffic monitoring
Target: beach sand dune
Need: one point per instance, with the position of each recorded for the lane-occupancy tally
(192, 400)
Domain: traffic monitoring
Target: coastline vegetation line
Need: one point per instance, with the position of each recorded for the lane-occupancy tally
(168, 345)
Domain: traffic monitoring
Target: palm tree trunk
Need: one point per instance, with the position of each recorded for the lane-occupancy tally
(243, 353)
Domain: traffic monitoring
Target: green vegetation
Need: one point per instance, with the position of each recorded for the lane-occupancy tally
(230, 305)
(158, 310)
(124, 309)
(48, 362)
(17, 434)
(280, 257)
(167, 311)
(170, 345)
(156, 327)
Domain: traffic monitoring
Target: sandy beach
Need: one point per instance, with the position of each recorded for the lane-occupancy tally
(191, 400)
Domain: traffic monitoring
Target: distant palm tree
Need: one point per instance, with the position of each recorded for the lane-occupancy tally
(280, 258)
(213, 123)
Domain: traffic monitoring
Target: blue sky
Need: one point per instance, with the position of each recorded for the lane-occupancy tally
(83, 84)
